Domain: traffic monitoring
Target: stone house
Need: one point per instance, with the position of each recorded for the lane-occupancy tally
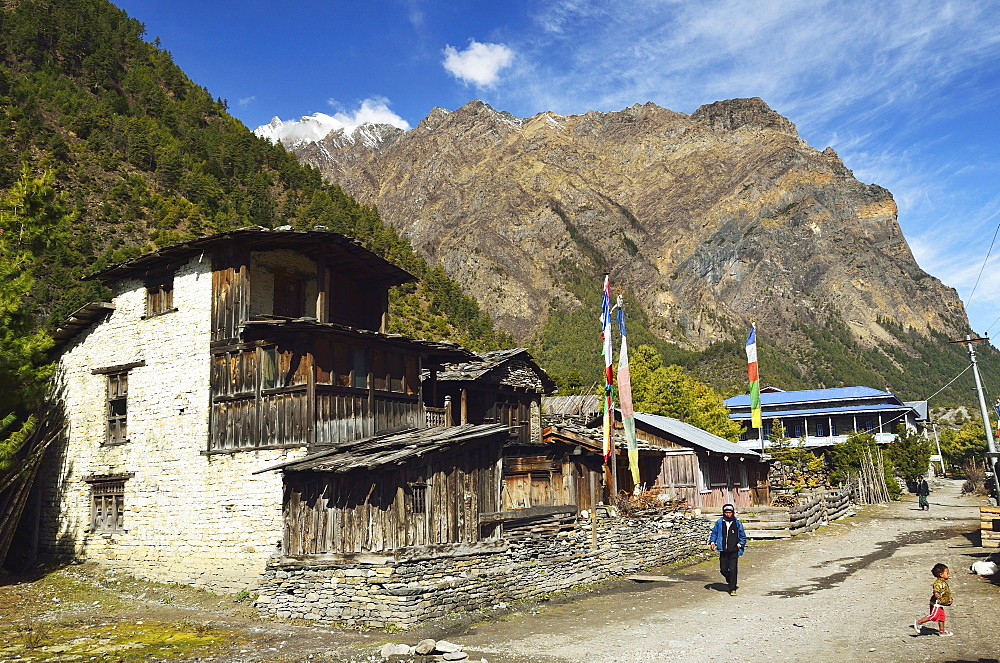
(220, 357)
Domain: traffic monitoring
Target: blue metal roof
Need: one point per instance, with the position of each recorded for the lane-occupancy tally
(810, 396)
(847, 409)
(693, 434)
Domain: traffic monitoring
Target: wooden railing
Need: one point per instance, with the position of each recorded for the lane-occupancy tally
(436, 416)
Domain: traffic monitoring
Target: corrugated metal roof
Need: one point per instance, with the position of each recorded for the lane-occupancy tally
(920, 407)
(810, 396)
(850, 409)
(393, 449)
(685, 432)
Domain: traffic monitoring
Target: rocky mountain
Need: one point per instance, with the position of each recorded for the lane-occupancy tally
(708, 220)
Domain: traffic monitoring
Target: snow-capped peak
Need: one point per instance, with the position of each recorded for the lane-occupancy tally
(315, 127)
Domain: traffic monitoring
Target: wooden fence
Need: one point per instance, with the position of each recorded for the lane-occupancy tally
(785, 522)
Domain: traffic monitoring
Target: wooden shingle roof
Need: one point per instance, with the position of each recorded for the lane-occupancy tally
(393, 449)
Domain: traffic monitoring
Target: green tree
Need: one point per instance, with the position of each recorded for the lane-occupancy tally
(965, 444)
(671, 392)
(910, 453)
(845, 460)
(32, 215)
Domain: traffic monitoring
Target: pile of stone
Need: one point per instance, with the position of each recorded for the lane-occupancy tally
(426, 650)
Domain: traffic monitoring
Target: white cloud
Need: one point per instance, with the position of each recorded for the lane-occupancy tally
(317, 126)
(246, 101)
(479, 64)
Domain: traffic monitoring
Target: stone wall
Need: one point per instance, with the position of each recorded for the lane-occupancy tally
(410, 587)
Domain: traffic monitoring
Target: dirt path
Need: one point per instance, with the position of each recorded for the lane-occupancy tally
(846, 592)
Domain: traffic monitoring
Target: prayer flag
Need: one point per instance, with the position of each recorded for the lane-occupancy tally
(606, 338)
(753, 378)
(625, 399)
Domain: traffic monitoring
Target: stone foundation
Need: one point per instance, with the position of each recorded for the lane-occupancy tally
(410, 586)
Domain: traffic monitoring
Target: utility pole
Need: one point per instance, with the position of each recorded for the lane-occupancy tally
(992, 455)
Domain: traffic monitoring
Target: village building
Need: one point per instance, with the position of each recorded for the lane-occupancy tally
(228, 354)
(824, 417)
(240, 418)
(679, 461)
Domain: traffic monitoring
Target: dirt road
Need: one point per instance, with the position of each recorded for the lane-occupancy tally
(847, 592)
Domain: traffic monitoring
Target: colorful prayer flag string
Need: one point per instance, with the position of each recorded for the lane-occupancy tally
(752, 376)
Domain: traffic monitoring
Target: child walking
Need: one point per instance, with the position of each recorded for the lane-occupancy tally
(940, 596)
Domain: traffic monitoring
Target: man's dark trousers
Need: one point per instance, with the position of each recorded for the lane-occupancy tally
(729, 566)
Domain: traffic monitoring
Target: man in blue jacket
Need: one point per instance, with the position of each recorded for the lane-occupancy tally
(729, 538)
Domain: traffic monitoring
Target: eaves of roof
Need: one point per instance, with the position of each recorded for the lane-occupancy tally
(856, 409)
(339, 251)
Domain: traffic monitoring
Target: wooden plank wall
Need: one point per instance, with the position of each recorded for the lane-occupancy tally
(230, 292)
(373, 511)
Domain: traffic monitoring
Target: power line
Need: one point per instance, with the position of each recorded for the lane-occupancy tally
(981, 269)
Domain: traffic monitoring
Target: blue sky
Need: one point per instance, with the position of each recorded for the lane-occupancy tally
(907, 92)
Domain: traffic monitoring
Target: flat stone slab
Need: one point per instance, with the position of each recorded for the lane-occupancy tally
(651, 578)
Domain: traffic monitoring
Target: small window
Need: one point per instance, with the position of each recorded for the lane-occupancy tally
(107, 512)
(418, 497)
(160, 295)
(117, 408)
(833, 428)
(268, 368)
(820, 430)
(796, 430)
(744, 479)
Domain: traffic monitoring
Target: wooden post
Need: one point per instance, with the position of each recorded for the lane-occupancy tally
(593, 509)
(465, 407)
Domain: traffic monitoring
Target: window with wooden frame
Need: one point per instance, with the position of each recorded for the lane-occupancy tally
(159, 295)
(418, 497)
(117, 408)
(107, 506)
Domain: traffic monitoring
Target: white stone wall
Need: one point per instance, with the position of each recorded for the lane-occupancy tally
(189, 517)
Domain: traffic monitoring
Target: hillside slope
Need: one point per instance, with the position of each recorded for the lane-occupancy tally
(143, 158)
(706, 220)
